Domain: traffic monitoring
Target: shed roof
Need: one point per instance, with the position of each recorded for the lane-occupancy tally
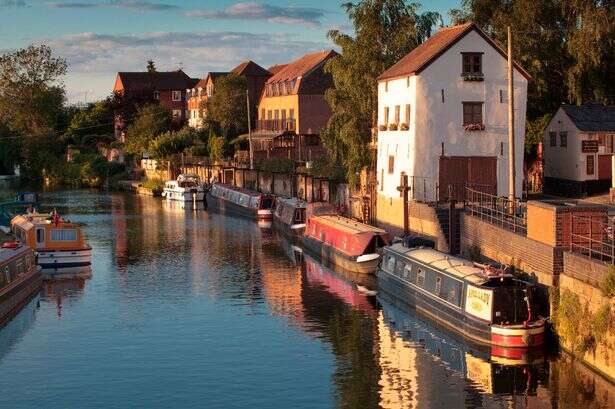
(436, 45)
(591, 116)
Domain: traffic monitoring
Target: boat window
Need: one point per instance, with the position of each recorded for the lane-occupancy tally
(391, 264)
(407, 271)
(40, 235)
(420, 277)
(399, 268)
(63, 234)
(254, 202)
(300, 215)
(438, 284)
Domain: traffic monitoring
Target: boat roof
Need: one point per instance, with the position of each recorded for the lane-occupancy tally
(346, 224)
(452, 265)
(293, 201)
(8, 253)
(27, 221)
(239, 189)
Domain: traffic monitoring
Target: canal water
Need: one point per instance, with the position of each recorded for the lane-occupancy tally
(186, 308)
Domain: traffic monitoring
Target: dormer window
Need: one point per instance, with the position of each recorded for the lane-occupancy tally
(472, 66)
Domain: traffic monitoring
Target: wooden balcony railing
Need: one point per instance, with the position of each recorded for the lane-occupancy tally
(276, 125)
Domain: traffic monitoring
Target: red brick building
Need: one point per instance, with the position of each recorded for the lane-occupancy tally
(166, 88)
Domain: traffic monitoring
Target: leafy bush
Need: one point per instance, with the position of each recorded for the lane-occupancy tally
(171, 143)
(608, 284)
(153, 184)
(276, 165)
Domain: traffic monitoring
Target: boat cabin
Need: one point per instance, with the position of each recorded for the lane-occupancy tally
(47, 232)
(242, 197)
(290, 211)
(15, 261)
(346, 235)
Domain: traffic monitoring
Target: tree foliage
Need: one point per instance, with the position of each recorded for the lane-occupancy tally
(151, 66)
(227, 106)
(91, 125)
(151, 121)
(384, 31)
(171, 143)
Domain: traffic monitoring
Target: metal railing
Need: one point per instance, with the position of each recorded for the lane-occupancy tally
(276, 125)
(499, 211)
(593, 237)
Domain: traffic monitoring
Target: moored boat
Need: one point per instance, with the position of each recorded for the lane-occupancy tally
(480, 302)
(57, 242)
(289, 216)
(240, 202)
(20, 278)
(186, 188)
(349, 244)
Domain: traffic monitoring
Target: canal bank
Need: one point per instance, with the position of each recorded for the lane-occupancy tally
(223, 312)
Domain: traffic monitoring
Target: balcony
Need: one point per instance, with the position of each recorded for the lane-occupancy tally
(276, 125)
(473, 76)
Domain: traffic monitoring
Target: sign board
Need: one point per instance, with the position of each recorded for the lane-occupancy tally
(589, 146)
(479, 302)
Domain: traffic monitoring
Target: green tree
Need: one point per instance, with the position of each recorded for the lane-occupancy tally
(151, 121)
(91, 125)
(151, 66)
(385, 31)
(171, 143)
(217, 148)
(227, 107)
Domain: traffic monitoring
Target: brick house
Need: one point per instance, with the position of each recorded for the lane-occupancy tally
(138, 88)
(292, 110)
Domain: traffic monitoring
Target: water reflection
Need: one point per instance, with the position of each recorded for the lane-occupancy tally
(222, 312)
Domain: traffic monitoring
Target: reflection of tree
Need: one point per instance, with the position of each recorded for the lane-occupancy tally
(573, 386)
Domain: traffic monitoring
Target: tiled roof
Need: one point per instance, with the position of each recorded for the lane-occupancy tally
(423, 55)
(214, 76)
(592, 117)
(301, 66)
(169, 80)
(250, 69)
(274, 69)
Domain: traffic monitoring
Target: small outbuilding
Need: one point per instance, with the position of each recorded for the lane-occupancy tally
(578, 150)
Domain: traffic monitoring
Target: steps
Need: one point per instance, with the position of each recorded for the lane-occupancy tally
(450, 222)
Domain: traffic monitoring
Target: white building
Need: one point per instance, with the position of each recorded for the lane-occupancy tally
(443, 120)
(578, 147)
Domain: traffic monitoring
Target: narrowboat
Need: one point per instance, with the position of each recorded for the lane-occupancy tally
(348, 244)
(289, 216)
(57, 242)
(482, 303)
(186, 188)
(241, 202)
(20, 278)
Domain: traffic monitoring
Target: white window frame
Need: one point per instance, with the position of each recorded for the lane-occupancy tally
(174, 96)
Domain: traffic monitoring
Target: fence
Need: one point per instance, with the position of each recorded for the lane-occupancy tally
(499, 211)
(593, 237)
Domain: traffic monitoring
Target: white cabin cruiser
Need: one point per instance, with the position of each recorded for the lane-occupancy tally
(186, 188)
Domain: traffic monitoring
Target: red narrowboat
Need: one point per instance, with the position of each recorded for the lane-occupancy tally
(20, 278)
(241, 202)
(349, 244)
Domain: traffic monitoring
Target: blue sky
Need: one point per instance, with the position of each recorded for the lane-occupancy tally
(101, 37)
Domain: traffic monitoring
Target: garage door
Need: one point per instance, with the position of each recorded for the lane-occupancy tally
(604, 167)
(459, 172)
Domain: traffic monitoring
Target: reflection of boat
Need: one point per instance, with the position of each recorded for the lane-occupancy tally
(84, 272)
(474, 361)
(347, 243)
(58, 242)
(488, 306)
(241, 202)
(289, 216)
(56, 289)
(20, 278)
(186, 188)
(20, 322)
(342, 285)
(182, 207)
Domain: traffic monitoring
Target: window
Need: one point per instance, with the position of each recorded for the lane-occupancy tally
(283, 114)
(590, 164)
(156, 95)
(263, 113)
(391, 264)
(563, 139)
(472, 64)
(40, 236)
(276, 114)
(502, 96)
(552, 138)
(420, 277)
(176, 96)
(63, 235)
(397, 109)
(386, 115)
(269, 115)
(386, 86)
(177, 113)
(408, 114)
(472, 113)
(408, 81)
(407, 271)
(381, 179)
(442, 95)
(391, 164)
(291, 113)
(399, 268)
(439, 285)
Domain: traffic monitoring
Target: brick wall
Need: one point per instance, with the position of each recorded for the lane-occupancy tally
(503, 246)
(583, 269)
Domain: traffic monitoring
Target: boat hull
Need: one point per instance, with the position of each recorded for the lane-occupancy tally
(456, 320)
(52, 259)
(227, 207)
(17, 294)
(198, 195)
(334, 256)
(292, 232)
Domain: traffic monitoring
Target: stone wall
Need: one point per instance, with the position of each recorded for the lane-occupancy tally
(506, 247)
(585, 270)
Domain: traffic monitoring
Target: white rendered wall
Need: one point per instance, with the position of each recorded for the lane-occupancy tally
(565, 163)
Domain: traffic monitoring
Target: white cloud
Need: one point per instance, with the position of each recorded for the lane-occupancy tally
(13, 3)
(125, 4)
(259, 11)
(94, 59)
